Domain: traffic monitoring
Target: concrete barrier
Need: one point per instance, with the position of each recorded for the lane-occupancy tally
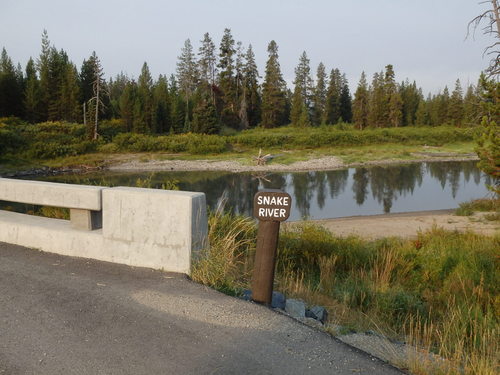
(140, 227)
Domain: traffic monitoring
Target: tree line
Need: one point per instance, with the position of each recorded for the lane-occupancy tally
(212, 89)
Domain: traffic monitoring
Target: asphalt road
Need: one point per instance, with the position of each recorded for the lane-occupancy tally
(63, 315)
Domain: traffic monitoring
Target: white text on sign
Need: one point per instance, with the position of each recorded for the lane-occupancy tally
(273, 200)
(272, 212)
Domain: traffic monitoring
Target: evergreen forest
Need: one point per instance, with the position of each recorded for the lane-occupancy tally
(216, 90)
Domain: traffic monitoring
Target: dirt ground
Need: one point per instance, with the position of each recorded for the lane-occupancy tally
(409, 224)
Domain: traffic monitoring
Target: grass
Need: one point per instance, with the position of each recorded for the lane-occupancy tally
(480, 205)
(438, 292)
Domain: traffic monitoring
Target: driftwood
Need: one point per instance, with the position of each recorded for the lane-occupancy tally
(262, 159)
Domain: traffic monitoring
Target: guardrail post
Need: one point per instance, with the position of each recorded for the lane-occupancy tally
(85, 219)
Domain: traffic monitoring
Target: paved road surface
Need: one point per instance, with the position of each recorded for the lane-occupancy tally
(63, 315)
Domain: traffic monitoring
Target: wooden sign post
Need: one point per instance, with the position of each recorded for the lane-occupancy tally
(270, 207)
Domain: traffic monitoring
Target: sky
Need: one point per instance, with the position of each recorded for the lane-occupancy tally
(425, 40)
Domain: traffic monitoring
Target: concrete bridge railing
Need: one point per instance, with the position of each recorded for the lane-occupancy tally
(160, 229)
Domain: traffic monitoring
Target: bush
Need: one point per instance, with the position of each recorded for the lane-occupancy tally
(343, 135)
(193, 143)
(10, 141)
(108, 129)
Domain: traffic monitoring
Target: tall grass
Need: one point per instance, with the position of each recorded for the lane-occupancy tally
(438, 292)
(226, 264)
(478, 205)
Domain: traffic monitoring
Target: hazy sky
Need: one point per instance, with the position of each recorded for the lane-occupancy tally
(423, 39)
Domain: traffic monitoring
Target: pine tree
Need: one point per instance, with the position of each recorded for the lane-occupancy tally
(319, 102)
(178, 109)
(187, 78)
(161, 106)
(442, 107)
(143, 107)
(116, 88)
(304, 80)
(422, 115)
(205, 116)
(332, 111)
(207, 61)
(86, 79)
(456, 108)
(11, 90)
(471, 107)
(298, 113)
(302, 95)
(377, 110)
(393, 103)
(395, 110)
(360, 106)
(32, 93)
(227, 81)
(345, 102)
(58, 66)
(127, 103)
(251, 92)
(207, 64)
(411, 97)
(273, 91)
(70, 95)
(44, 75)
(488, 144)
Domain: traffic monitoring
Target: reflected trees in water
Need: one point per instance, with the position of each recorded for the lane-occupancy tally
(360, 182)
(314, 193)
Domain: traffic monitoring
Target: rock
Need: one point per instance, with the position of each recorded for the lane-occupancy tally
(247, 295)
(296, 308)
(318, 313)
(278, 301)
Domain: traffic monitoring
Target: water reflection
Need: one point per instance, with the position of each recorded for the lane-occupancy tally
(355, 191)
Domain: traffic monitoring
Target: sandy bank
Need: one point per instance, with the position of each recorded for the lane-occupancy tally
(408, 224)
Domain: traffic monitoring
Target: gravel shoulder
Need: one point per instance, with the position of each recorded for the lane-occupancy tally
(64, 315)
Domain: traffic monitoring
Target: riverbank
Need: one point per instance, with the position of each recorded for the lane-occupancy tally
(313, 164)
(128, 162)
(408, 224)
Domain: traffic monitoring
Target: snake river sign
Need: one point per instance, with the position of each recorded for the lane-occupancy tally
(270, 207)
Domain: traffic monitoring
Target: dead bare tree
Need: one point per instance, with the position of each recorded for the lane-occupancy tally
(99, 88)
(491, 19)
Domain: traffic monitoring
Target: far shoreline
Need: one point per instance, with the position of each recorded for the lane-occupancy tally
(133, 163)
(318, 164)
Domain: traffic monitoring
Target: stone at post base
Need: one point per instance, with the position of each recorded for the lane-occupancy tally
(296, 308)
(247, 295)
(318, 313)
(278, 301)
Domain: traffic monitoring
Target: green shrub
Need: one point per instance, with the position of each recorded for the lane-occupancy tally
(344, 135)
(193, 143)
(10, 141)
(108, 129)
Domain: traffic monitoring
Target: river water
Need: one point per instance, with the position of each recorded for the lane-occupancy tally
(322, 194)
